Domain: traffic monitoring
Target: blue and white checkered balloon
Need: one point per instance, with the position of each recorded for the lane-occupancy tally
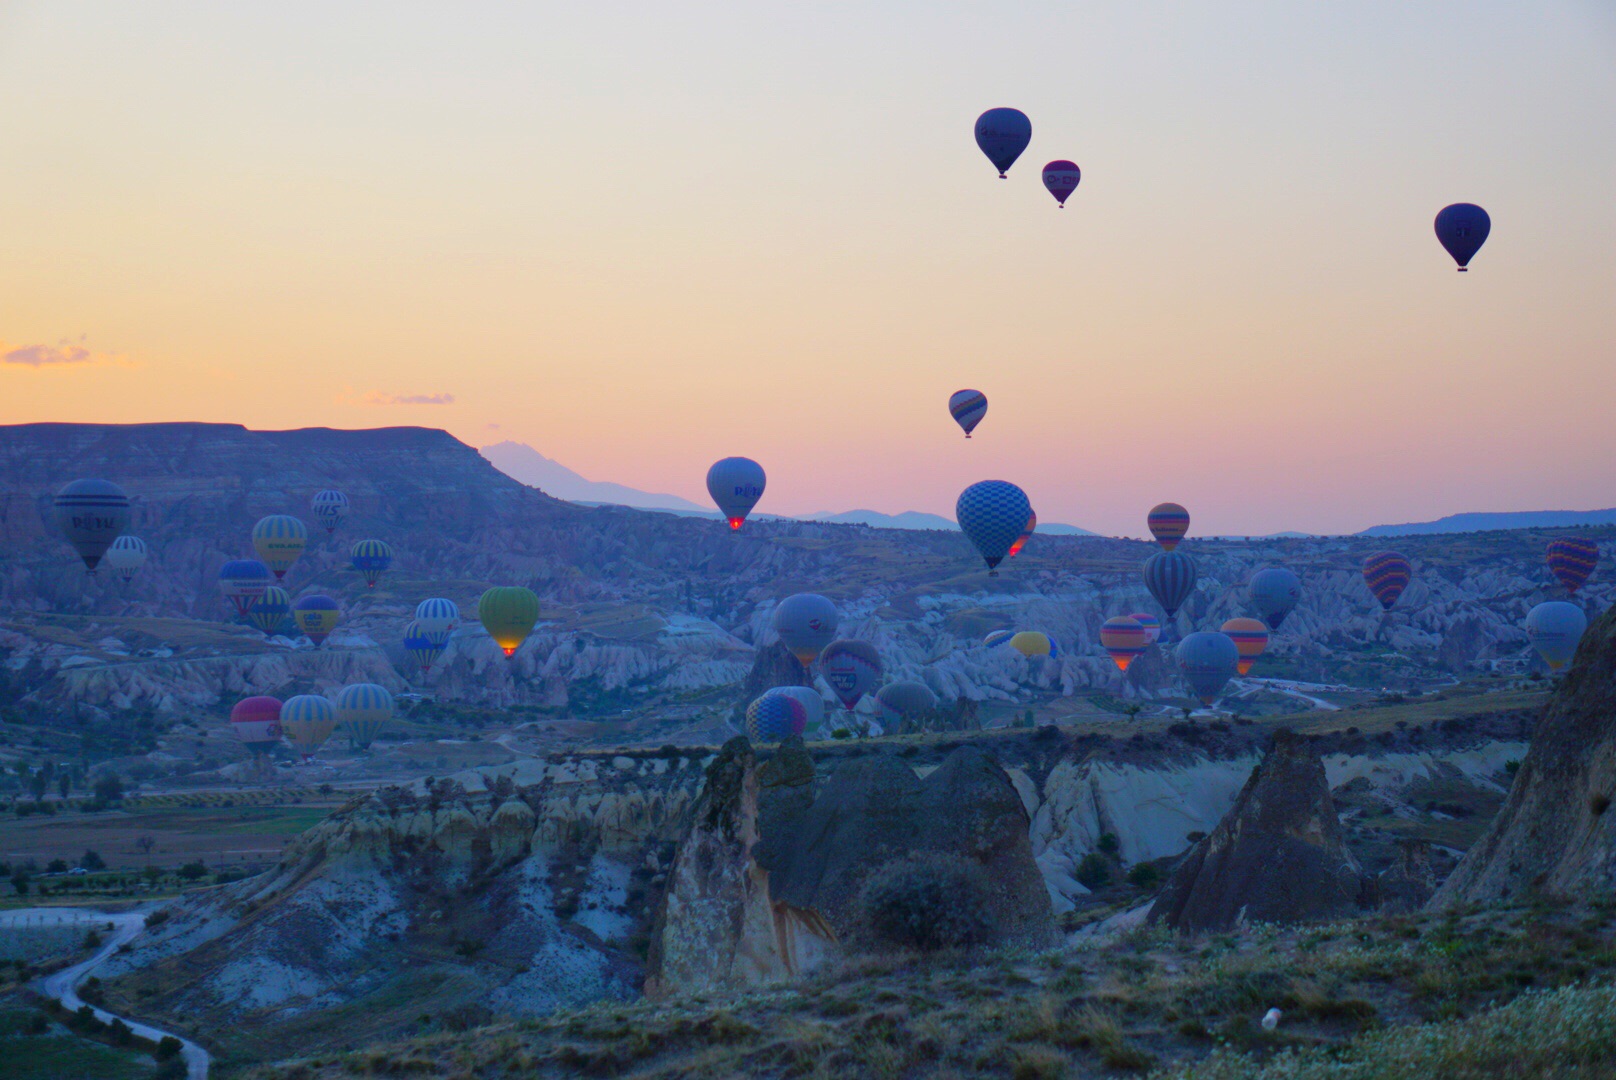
(992, 514)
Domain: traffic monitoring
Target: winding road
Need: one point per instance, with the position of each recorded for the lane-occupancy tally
(63, 985)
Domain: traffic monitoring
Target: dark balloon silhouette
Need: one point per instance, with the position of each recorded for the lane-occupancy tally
(1463, 228)
(1003, 134)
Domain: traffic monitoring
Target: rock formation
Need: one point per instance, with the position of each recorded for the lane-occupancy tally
(1408, 883)
(1555, 834)
(1277, 856)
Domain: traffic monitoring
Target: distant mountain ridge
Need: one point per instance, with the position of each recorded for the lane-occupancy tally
(1482, 522)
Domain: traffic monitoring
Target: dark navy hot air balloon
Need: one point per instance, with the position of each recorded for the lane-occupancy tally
(1387, 574)
(736, 484)
(1274, 591)
(1061, 179)
(91, 514)
(1209, 661)
(1003, 134)
(992, 514)
(1462, 228)
(1170, 577)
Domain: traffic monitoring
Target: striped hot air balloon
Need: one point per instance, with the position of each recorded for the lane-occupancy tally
(1061, 179)
(279, 539)
(774, 717)
(968, 407)
(1168, 523)
(1572, 559)
(1151, 624)
(508, 613)
(904, 703)
(813, 706)
(437, 614)
(256, 722)
(992, 514)
(270, 611)
(329, 508)
(1209, 660)
(997, 638)
(1387, 574)
(806, 623)
(307, 721)
(371, 558)
(736, 484)
(316, 616)
(1124, 639)
(1250, 638)
(363, 710)
(1170, 577)
(125, 557)
(1026, 534)
(243, 581)
(91, 515)
(852, 668)
(425, 646)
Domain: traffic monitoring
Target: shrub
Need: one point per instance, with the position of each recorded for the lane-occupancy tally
(1094, 872)
(1145, 876)
(168, 1047)
(157, 918)
(92, 860)
(109, 788)
(193, 871)
(1108, 843)
(927, 902)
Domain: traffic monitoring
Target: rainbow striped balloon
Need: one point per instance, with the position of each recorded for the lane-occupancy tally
(1250, 637)
(1152, 625)
(1573, 558)
(968, 407)
(1168, 523)
(1124, 639)
(1387, 574)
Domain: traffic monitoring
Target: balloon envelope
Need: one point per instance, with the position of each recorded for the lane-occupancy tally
(1209, 660)
(1554, 628)
(256, 721)
(968, 407)
(806, 624)
(852, 668)
(243, 581)
(437, 614)
(1170, 577)
(774, 717)
(992, 514)
(1387, 574)
(1152, 625)
(736, 484)
(1123, 638)
(1031, 643)
(508, 613)
(371, 558)
(279, 539)
(1462, 228)
(307, 721)
(998, 637)
(1572, 559)
(1026, 534)
(1168, 523)
(363, 709)
(813, 706)
(1061, 179)
(904, 700)
(91, 514)
(1250, 638)
(1274, 591)
(1003, 134)
(269, 611)
(329, 508)
(126, 556)
(316, 615)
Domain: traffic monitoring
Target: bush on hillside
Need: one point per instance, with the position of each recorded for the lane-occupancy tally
(927, 902)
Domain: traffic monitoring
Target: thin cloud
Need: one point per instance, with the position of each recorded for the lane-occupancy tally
(64, 353)
(376, 397)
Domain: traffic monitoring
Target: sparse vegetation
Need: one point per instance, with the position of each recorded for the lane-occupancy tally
(928, 902)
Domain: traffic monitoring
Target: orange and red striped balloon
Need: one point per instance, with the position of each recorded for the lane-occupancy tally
(1250, 637)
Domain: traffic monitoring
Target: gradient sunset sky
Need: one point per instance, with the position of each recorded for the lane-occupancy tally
(640, 237)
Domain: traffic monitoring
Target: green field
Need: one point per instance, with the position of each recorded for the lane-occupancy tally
(58, 1054)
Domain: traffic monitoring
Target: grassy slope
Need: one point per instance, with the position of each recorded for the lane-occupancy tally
(1145, 1001)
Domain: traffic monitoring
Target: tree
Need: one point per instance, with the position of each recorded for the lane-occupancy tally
(144, 844)
(38, 782)
(92, 860)
(152, 874)
(1133, 710)
(109, 788)
(56, 866)
(19, 881)
(193, 870)
(64, 783)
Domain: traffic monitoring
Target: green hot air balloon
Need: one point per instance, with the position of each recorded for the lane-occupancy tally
(508, 613)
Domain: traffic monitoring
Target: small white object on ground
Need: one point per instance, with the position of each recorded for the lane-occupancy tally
(1270, 1019)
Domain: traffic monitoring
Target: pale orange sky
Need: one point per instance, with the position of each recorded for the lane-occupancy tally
(642, 239)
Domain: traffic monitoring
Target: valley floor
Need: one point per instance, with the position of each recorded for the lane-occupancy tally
(1520, 991)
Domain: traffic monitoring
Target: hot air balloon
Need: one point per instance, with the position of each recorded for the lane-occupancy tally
(316, 615)
(1274, 592)
(1123, 638)
(307, 721)
(997, 638)
(425, 646)
(256, 721)
(363, 709)
(270, 610)
(1168, 523)
(91, 514)
(508, 613)
(329, 508)
(1026, 534)
(1462, 228)
(1152, 625)
(806, 623)
(968, 407)
(279, 539)
(1061, 179)
(437, 614)
(1170, 577)
(1387, 574)
(1003, 134)
(736, 484)
(813, 706)
(243, 581)
(1554, 628)
(773, 718)
(992, 514)
(126, 556)
(371, 558)
(900, 704)
(1250, 638)
(1032, 644)
(1572, 558)
(852, 668)
(1209, 660)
